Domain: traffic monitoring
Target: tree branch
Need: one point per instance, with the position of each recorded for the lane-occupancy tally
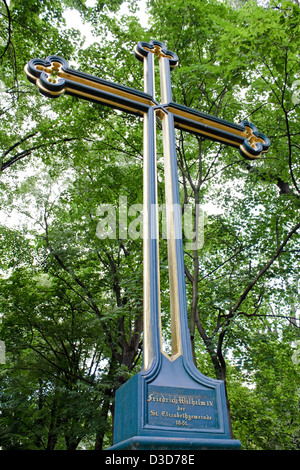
(263, 270)
(25, 153)
(9, 29)
(267, 176)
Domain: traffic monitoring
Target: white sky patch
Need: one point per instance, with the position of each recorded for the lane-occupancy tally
(73, 20)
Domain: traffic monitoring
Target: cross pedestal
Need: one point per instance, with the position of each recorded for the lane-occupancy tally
(171, 407)
(169, 404)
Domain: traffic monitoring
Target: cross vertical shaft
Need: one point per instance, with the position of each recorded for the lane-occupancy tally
(152, 311)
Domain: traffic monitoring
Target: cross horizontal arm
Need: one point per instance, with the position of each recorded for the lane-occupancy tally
(244, 136)
(54, 78)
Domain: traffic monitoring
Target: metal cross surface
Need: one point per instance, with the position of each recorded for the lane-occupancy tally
(54, 78)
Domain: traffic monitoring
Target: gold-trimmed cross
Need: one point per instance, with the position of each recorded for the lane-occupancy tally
(54, 78)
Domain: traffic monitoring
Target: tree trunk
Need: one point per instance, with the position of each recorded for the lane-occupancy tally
(53, 432)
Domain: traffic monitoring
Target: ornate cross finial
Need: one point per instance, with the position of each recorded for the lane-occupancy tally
(156, 47)
(255, 143)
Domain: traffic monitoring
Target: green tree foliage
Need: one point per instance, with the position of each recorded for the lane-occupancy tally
(71, 300)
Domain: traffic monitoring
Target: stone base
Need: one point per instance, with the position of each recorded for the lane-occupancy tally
(176, 408)
(165, 443)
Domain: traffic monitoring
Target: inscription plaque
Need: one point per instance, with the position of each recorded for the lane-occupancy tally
(181, 407)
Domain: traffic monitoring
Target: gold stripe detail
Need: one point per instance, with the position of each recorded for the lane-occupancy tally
(98, 86)
(56, 94)
(106, 88)
(172, 261)
(253, 157)
(209, 134)
(104, 100)
(205, 121)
